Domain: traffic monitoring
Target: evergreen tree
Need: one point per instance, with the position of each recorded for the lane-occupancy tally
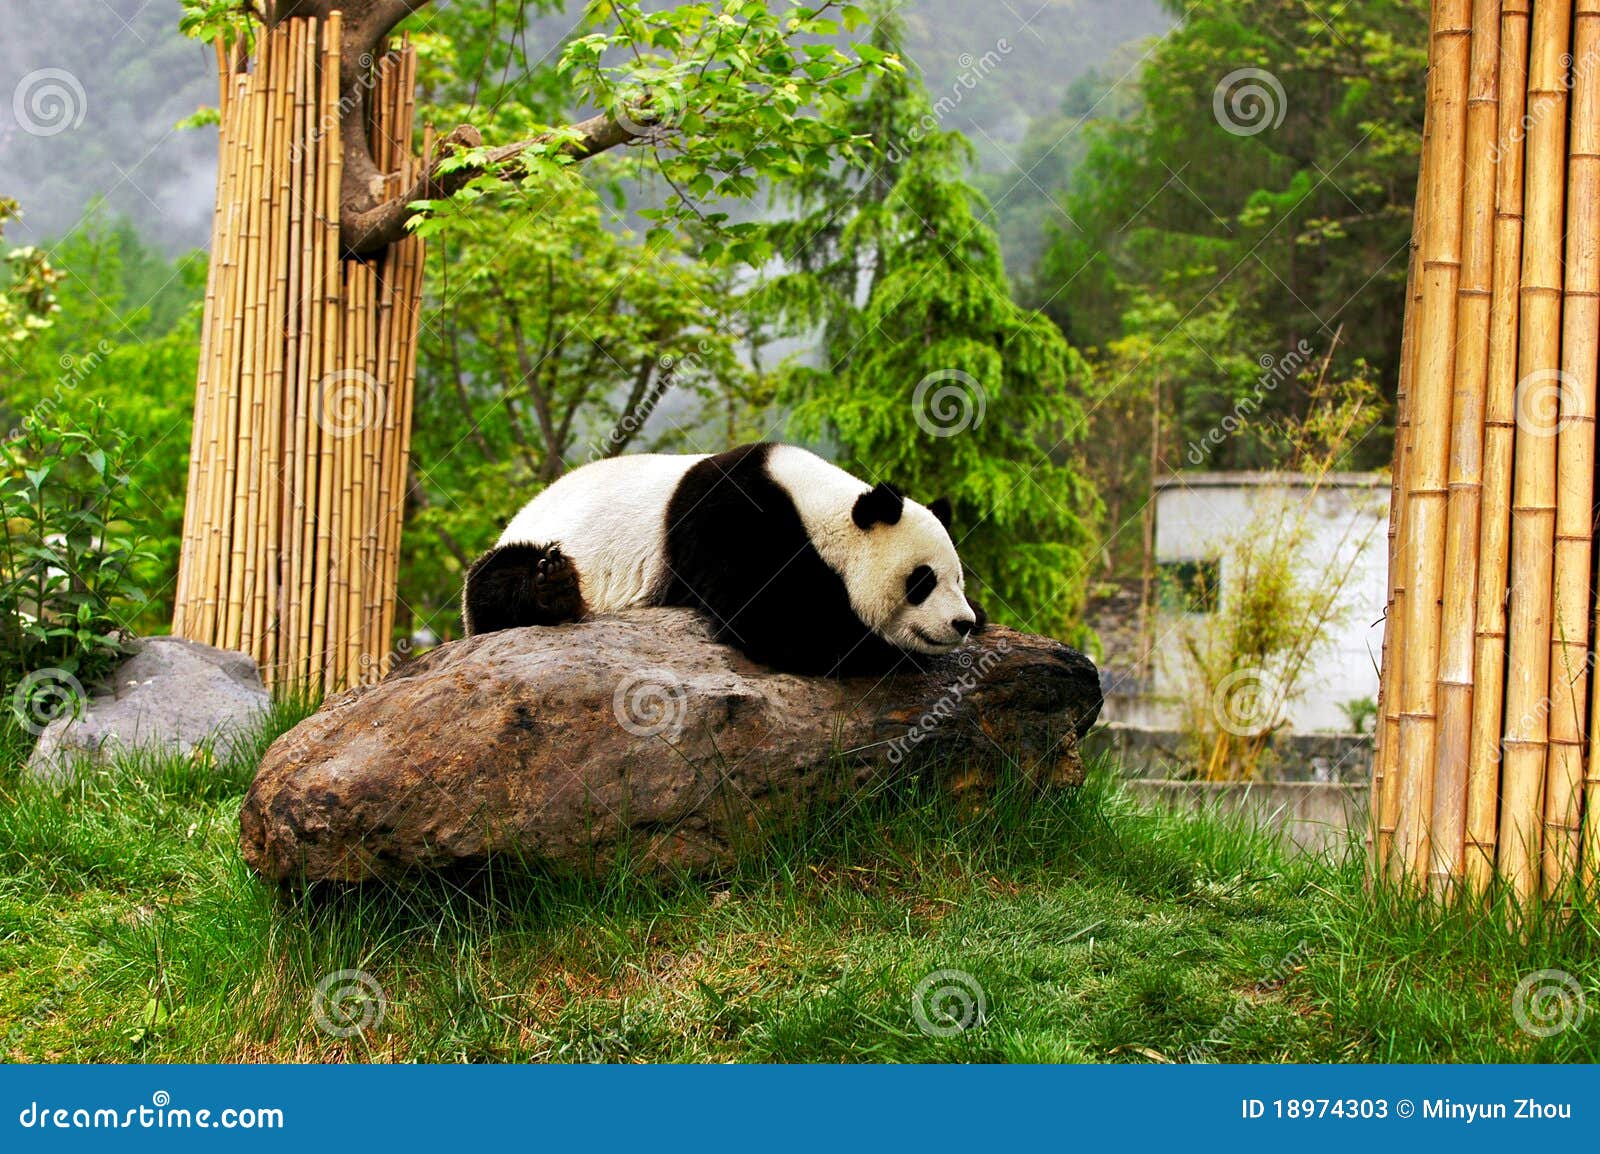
(935, 379)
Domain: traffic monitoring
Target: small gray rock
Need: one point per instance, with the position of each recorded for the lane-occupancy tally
(170, 694)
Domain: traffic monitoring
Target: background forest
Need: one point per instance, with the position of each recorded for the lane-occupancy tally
(1086, 258)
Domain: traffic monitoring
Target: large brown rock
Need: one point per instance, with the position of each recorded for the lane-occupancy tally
(634, 735)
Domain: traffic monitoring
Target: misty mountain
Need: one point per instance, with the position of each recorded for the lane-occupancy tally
(91, 92)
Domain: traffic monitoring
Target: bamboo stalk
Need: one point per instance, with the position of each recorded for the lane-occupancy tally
(1571, 611)
(193, 510)
(267, 609)
(1494, 531)
(238, 450)
(308, 440)
(1427, 479)
(215, 485)
(329, 175)
(1447, 838)
(1534, 478)
(294, 416)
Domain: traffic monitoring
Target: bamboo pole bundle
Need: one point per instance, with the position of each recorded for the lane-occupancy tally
(1571, 610)
(1494, 530)
(291, 534)
(1534, 479)
(1447, 832)
(1427, 470)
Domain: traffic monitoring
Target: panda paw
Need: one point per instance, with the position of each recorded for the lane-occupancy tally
(555, 587)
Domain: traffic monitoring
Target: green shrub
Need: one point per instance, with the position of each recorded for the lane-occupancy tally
(66, 557)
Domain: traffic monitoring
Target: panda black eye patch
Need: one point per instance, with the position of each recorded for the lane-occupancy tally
(920, 582)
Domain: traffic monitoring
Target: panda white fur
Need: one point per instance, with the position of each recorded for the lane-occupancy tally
(794, 561)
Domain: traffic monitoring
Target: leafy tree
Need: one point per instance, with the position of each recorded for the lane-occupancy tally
(28, 299)
(119, 355)
(1266, 178)
(551, 347)
(68, 556)
(936, 379)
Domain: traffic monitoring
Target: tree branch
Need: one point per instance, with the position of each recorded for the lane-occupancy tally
(370, 229)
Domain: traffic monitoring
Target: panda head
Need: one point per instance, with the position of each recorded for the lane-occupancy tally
(902, 573)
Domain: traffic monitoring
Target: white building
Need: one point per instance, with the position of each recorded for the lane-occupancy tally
(1201, 518)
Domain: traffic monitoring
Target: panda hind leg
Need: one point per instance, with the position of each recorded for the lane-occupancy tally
(516, 585)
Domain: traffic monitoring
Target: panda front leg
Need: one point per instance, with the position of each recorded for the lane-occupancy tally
(515, 585)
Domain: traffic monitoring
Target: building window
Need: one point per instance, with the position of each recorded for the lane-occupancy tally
(1188, 586)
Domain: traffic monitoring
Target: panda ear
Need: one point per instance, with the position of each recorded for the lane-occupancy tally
(941, 509)
(881, 505)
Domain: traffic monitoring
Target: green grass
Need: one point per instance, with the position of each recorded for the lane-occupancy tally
(130, 930)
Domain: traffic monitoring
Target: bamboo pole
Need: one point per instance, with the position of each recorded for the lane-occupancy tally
(329, 176)
(1534, 479)
(193, 511)
(292, 467)
(1427, 474)
(211, 487)
(1571, 611)
(1448, 829)
(1494, 530)
(308, 439)
(269, 550)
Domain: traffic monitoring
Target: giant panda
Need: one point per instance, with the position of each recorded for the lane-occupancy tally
(794, 561)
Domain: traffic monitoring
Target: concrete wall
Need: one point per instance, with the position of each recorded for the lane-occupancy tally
(1198, 514)
(1161, 753)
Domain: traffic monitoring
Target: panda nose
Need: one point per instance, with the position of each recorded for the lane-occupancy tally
(963, 625)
